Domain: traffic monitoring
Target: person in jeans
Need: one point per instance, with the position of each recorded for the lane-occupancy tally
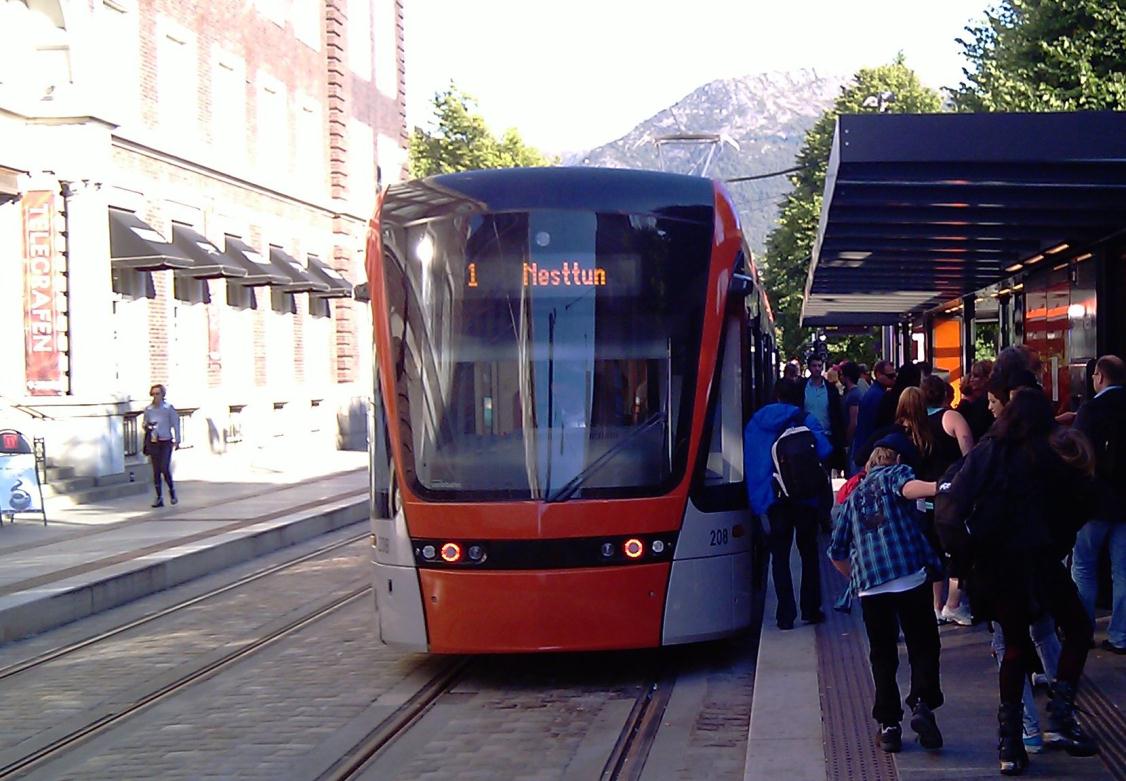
(785, 518)
(162, 429)
(879, 544)
(1103, 420)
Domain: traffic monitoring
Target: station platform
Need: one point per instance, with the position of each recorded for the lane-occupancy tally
(811, 713)
(89, 558)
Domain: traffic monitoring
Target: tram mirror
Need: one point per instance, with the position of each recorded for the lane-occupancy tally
(741, 285)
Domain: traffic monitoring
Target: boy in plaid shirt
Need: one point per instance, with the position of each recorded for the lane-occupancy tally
(878, 543)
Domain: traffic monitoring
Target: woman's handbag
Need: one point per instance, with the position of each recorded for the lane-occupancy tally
(146, 441)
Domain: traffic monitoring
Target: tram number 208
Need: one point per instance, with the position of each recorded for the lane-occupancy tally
(719, 537)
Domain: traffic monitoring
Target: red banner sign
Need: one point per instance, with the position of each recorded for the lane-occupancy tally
(41, 289)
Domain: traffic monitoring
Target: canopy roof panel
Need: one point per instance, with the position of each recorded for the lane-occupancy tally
(923, 208)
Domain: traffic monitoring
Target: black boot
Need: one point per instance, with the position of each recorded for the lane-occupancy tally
(1010, 746)
(1063, 729)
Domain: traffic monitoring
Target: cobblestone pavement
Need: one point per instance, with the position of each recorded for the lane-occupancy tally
(44, 697)
(289, 709)
(558, 717)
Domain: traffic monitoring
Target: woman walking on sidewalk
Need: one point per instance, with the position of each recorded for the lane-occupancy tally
(1008, 514)
(162, 435)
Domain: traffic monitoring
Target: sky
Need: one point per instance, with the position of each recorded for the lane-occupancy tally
(570, 76)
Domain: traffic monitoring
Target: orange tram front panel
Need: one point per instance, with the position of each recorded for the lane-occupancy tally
(574, 610)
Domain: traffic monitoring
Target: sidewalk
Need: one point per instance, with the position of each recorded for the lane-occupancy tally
(811, 713)
(89, 558)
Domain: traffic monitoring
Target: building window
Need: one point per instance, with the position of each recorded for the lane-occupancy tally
(311, 147)
(234, 424)
(359, 38)
(129, 430)
(187, 428)
(272, 137)
(280, 422)
(361, 168)
(387, 48)
(315, 415)
(191, 291)
(132, 284)
(121, 58)
(308, 16)
(241, 296)
(228, 106)
(176, 81)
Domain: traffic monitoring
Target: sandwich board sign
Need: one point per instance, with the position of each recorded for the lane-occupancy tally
(20, 490)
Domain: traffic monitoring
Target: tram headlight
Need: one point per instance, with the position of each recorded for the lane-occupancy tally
(451, 553)
(658, 547)
(633, 548)
(607, 550)
(429, 552)
(476, 553)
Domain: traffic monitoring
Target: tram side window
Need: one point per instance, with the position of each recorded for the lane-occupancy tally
(724, 464)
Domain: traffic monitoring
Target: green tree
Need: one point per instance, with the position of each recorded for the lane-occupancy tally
(894, 88)
(1045, 55)
(461, 141)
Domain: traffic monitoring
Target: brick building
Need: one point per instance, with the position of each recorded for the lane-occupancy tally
(184, 194)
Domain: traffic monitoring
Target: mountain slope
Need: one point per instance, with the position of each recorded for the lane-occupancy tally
(766, 115)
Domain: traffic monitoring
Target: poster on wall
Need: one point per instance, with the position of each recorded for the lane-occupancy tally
(42, 289)
(20, 491)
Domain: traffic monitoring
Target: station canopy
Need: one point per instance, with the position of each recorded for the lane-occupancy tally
(921, 209)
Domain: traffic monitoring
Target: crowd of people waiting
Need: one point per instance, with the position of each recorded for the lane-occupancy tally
(971, 511)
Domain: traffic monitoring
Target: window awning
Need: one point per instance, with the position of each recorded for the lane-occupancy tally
(135, 246)
(259, 271)
(208, 261)
(298, 279)
(338, 286)
(922, 209)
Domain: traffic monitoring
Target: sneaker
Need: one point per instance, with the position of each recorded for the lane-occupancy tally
(1033, 743)
(1106, 645)
(959, 615)
(1041, 681)
(938, 617)
(926, 728)
(890, 738)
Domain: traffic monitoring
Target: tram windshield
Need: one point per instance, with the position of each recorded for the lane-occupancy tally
(546, 354)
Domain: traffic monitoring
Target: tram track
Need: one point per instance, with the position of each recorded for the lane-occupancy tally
(55, 745)
(70, 648)
(624, 762)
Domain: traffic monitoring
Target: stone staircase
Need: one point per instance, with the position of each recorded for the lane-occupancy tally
(62, 482)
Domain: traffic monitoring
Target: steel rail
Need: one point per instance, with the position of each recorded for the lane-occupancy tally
(103, 724)
(65, 650)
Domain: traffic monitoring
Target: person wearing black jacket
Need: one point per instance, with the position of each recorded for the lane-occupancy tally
(1103, 420)
(1006, 519)
(823, 401)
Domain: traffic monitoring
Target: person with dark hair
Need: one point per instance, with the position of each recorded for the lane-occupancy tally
(850, 409)
(1006, 519)
(784, 517)
(822, 400)
(883, 376)
(974, 406)
(952, 439)
(925, 369)
(1014, 366)
(162, 435)
(1103, 420)
(791, 371)
(906, 376)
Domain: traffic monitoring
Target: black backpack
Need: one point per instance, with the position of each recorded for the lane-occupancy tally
(798, 474)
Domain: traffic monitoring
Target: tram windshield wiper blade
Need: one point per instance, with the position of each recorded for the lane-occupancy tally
(568, 489)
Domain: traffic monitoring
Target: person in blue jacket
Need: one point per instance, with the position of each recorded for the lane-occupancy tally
(783, 518)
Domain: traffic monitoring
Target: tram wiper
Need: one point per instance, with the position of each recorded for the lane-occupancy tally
(568, 489)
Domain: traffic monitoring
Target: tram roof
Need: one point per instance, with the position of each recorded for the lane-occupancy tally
(920, 209)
